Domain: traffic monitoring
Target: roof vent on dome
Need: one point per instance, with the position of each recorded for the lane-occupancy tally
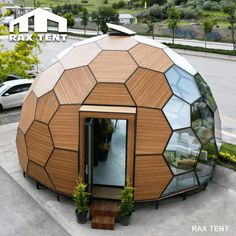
(119, 30)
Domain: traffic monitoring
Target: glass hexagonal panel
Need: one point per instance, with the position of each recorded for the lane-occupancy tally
(182, 84)
(178, 113)
(182, 151)
(206, 161)
(218, 135)
(205, 92)
(202, 121)
(181, 182)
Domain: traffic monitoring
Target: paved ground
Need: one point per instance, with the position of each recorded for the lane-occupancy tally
(21, 214)
(10, 116)
(214, 207)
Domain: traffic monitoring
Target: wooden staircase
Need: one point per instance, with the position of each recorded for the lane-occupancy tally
(103, 214)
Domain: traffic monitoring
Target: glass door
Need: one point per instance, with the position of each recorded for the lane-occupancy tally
(88, 150)
(110, 147)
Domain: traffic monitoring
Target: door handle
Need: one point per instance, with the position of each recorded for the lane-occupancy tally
(86, 169)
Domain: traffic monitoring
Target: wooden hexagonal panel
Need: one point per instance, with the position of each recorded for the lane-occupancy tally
(110, 94)
(153, 131)
(117, 43)
(38, 173)
(80, 56)
(151, 57)
(48, 79)
(64, 127)
(152, 175)
(62, 168)
(21, 149)
(75, 85)
(27, 112)
(46, 107)
(113, 66)
(149, 88)
(39, 143)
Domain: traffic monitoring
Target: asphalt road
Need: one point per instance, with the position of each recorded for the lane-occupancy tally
(191, 42)
(220, 75)
(10, 116)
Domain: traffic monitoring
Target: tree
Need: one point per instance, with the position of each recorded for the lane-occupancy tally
(84, 19)
(106, 15)
(96, 19)
(118, 5)
(36, 4)
(230, 10)
(20, 59)
(150, 27)
(152, 2)
(70, 19)
(3, 29)
(208, 25)
(173, 20)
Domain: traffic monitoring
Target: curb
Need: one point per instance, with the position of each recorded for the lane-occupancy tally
(205, 54)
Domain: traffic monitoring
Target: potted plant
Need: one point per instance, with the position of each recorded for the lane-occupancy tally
(107, 130)
(126, 205)
(81, 201)
(103, 151)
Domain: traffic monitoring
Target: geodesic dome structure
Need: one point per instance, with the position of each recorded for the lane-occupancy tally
(175, 134)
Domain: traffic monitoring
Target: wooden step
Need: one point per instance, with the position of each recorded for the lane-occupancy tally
(104, 208)
(106, 193)
(103, 222)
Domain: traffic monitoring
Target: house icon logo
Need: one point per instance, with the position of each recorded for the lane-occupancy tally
(41, 18)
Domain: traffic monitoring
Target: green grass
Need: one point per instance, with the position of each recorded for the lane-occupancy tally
(92, 5)
(228, 147)
(216, 14)
(231, 149)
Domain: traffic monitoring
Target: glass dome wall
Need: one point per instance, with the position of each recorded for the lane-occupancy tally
(193, 147)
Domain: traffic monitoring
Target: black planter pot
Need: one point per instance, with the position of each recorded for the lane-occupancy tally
(109, 137)
(103, 155)
(81, 217)
(124, 220)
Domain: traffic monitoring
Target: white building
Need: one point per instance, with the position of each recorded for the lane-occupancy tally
(127, 19)
(19, 11)
(6, 1)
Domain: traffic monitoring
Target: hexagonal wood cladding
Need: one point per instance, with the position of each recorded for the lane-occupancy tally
(114, 71)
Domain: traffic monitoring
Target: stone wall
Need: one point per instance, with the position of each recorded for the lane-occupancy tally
(191, 32)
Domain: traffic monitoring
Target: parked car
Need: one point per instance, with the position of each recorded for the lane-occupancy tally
(12, 93)
(33, 75)
(6, 20)
(13, 77)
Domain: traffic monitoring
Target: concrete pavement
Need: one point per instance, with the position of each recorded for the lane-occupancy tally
(21, 215)
(214, 207)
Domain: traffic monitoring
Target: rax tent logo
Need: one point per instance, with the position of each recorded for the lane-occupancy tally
(41, 18)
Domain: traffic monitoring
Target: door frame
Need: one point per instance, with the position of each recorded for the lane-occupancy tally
(109, 112)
